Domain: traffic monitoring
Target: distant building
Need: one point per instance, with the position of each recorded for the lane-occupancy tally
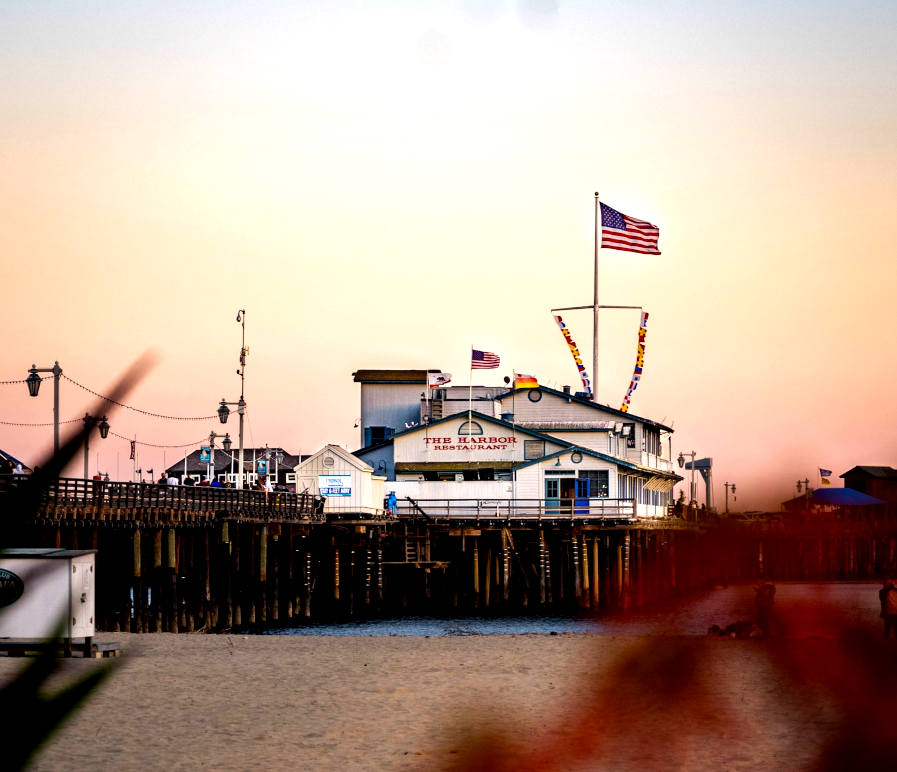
(279, 466)
(540, 445)
(877, 481)
(835, 500)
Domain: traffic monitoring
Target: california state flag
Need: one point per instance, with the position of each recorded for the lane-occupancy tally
(438, 379)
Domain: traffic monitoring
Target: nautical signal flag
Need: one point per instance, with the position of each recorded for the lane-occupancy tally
(484, 360)
(825, 481)
(825, 472)
(620, 231)
(522, 381)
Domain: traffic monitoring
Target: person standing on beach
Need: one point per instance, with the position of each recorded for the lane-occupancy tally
(887, 595)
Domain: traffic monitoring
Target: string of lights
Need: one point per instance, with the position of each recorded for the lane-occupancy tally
(138, 410)
(121, 404)
(18, 423)
(151, 445)
(202, 439)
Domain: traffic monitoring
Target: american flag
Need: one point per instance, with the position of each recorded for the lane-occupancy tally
(484, 360)
(619, 231)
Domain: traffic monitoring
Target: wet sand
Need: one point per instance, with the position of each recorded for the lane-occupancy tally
(653, 700)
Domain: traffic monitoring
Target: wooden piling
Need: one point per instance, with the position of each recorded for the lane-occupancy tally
(263, 575)
(586, 599)
(137, 622)
(158, 605)
(476, 572)
(596, 573)
(336, 573)
(173, 579)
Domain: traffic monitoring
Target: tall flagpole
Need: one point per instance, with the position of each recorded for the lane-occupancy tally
(470, 392)
(595, 323)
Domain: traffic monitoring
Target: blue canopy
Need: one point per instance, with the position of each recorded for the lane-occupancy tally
(844, 497)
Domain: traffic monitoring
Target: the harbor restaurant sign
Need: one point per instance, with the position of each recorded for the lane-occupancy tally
(479, 439)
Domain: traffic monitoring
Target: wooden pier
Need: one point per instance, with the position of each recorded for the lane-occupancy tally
(183, 559)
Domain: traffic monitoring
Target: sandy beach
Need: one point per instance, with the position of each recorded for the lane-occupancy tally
(565, 701)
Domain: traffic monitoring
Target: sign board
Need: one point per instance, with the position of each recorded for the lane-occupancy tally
(261, 466)
(205, 454)
(335, 484)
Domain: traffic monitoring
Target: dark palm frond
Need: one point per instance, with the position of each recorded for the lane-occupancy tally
(31, 717)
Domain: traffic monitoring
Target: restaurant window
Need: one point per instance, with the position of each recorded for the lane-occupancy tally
(599, 485)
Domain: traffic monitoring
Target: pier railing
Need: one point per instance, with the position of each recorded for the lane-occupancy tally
(67, 492)
(578, 509)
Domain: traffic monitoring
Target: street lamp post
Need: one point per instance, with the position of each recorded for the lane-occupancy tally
(89, 423)
(33, 380)
(681, 460)
(226, 443)
(806, 487)
(223, 413)
(727, 487)
(223, 410)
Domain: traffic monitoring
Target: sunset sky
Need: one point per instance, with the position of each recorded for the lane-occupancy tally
(385, 184)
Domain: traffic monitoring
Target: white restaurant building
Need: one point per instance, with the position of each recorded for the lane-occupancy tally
(523, 450)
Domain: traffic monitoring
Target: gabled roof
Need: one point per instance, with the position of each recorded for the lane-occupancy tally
(620, 462)
(223, 460)
(884, 472)
(336, 450)
(375, 446)
(588, 403)
(481, 417)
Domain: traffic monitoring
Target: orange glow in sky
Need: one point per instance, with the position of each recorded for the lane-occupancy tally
(384, 185)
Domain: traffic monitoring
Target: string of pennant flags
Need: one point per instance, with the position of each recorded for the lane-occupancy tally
(639, 362)
(574, 351)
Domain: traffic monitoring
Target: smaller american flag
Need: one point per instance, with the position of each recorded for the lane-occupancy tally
(620, 231)
(484, 360)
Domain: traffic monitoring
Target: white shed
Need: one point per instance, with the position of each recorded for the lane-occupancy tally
(347, 483)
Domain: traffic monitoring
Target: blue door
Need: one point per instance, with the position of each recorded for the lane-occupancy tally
(581, 506)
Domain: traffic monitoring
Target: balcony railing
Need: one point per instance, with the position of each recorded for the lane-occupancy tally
(517, 509)
(100, 495)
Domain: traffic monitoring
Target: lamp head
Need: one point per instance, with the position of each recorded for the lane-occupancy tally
(33, 380)
(104, 428)
(226, 443)
(223, 412)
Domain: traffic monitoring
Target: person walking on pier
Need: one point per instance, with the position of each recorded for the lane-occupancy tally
(887, 595)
